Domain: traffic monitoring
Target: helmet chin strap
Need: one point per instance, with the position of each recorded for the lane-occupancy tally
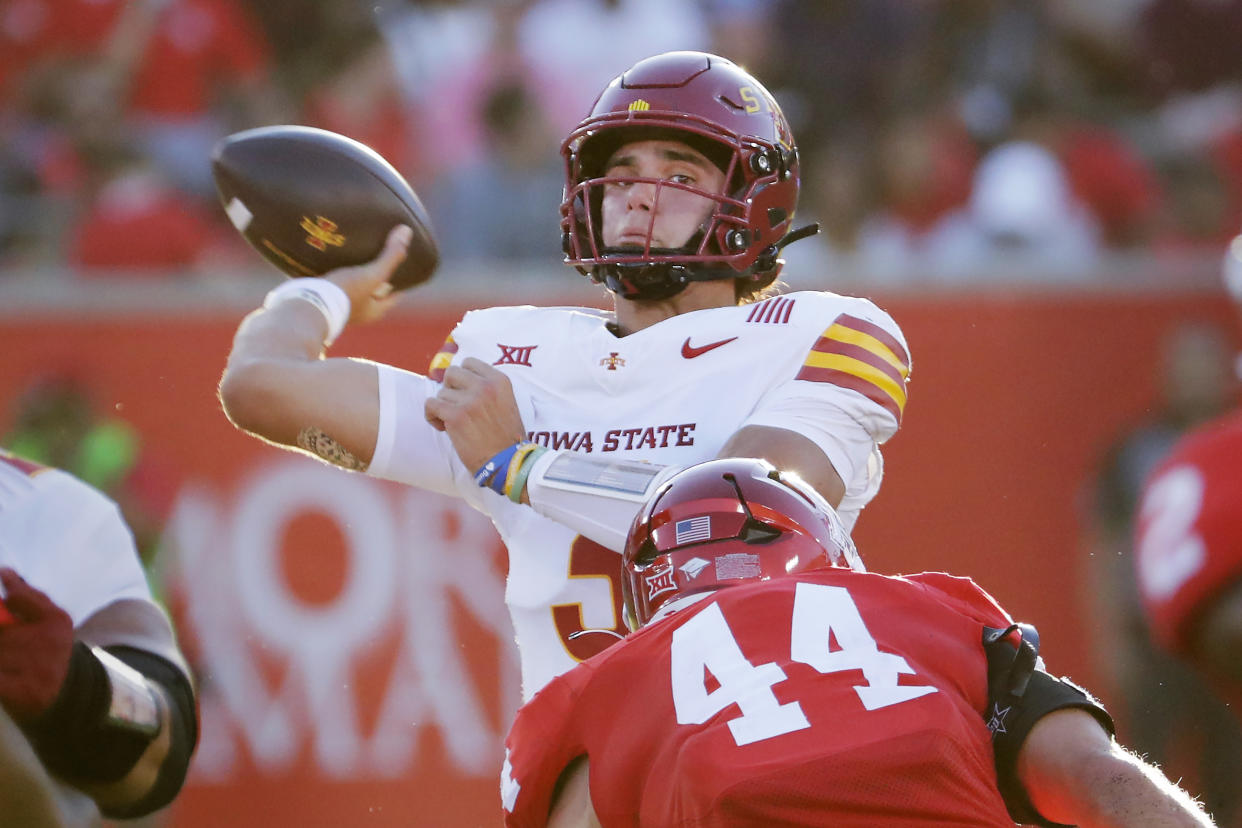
(642, 281)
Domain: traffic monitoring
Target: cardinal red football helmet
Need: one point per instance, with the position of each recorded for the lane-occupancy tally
(714, 106)
(727, 522)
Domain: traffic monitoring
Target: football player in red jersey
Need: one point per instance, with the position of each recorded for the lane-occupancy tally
(681, 187)
(97, 710)
(771, 680)
(1188, 544)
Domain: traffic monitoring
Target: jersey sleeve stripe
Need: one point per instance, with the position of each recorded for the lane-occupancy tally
(440, 362)
(873, 392)
(877, 335)
(849, 342)
(26, 467)
(865, 370)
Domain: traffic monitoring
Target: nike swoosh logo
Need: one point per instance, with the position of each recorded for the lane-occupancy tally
(690, 352)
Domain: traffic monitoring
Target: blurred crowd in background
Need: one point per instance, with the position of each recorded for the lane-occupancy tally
(942, 140)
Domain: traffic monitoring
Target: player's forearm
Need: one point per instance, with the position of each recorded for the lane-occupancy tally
(270, 351)
(1122, 791)
(1075, 774)
(789, 452)
(122, 730)
(278, 388)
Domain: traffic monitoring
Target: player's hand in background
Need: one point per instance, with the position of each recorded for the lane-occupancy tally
(35, 648)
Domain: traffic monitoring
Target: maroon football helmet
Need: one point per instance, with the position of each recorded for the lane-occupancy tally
(715, 107)
(723, 523)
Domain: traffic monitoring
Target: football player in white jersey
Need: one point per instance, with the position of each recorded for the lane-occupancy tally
(556, 422)
(97, 712)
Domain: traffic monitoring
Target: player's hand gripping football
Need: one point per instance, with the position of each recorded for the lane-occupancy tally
(475, 406)
(35, 647)
(370, 292)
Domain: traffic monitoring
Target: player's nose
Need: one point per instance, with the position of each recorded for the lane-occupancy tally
(641, 195)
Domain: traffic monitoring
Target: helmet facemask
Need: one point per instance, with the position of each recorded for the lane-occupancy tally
(713, 105)
(725, 245)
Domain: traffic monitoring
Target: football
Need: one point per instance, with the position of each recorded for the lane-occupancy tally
(310, 201)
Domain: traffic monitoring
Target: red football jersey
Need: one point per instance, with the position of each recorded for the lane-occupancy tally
(1189, 530)
(834, 697)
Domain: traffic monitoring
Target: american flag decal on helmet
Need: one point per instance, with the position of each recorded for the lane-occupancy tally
(856, 354)
(694, 530)
(440, 362)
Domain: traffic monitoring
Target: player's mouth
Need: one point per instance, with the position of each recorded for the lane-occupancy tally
(635, 238)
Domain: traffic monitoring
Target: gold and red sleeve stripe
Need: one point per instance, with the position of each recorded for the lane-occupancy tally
(26, 467)
(440, 362)
(856, 354)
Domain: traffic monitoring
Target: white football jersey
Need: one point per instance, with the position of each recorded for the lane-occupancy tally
(67, 539)
(831, 368)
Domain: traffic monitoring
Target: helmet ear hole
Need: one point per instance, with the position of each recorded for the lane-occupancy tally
(756, 531)
(647, 553)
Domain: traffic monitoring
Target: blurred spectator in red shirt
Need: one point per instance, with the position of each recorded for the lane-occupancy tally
(1104, 171)
(925, 160)
(1023, 220)
(139, 222)
(363, 100)
(170, 66)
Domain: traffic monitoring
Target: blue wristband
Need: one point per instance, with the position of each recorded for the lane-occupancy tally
(492, 474)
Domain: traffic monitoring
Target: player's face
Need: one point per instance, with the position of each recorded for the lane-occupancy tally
(671, 215)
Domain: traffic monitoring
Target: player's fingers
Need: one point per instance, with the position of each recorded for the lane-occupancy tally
(431, 412)
(459, 377)
(477, 366)
(447, 398)
(490, 374)
(395, 248)
(21, 599)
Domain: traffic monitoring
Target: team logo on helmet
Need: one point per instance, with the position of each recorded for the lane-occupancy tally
(321, 232)
(659, 581)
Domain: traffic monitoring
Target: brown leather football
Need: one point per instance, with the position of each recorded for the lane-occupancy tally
(311, 201)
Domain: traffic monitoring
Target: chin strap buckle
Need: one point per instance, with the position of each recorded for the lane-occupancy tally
(767, 259)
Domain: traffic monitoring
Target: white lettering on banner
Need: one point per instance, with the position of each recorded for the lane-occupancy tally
(409, 553)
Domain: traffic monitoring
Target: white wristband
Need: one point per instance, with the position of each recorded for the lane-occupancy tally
(328, 297)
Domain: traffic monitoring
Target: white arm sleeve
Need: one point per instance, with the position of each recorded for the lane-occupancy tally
(408, 449)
